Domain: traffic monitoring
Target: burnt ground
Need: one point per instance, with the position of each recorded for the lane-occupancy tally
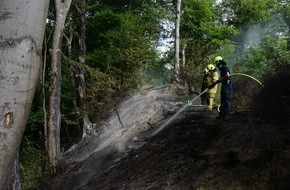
(195, 151)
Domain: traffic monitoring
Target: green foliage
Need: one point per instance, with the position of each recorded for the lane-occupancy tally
(261, 59)
(226, 50)
(277, 50)
(254, 63)
(156, 74)
(125, 43)
(33, 133)
(100, 89)
(101, 94)
(32, 161)
(253, 19)
(32, 151)
(284, 9)
(196, 18)
(203, 35)
(244, 13)
(70, 130)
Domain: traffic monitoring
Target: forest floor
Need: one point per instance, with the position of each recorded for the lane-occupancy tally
(195, 151)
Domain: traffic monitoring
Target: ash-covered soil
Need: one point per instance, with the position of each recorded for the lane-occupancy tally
(202, 153)
(193, 152)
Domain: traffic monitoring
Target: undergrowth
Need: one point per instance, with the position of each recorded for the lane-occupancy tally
(31, 166)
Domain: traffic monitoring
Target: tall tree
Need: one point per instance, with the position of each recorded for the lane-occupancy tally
(177, 42)
(22, 31)
(54, 120)
(84, 121)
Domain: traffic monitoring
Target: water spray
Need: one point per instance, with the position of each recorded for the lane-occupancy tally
(163, 126)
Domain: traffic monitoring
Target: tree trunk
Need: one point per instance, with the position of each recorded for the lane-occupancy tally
(177, 42)
(44, 96)
(183, 72)
(84, 120)
(21, 36)
(15, 176)
(54, 119)
(69, 40)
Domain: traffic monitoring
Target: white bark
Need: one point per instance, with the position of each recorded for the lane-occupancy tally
(183, 73)
(177, 42)
(21, 35)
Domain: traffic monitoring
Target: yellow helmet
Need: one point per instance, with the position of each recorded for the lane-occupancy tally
(210, 67)
(216, 59)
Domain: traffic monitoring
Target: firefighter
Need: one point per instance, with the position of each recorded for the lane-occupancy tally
(212, 78)
(204, 86)
(226, 87)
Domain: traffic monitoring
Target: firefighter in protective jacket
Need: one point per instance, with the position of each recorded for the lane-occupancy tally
(213, 77)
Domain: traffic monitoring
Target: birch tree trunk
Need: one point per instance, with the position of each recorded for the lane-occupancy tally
(21, 36)
(177, 42)
(54, 120)
(183, 72)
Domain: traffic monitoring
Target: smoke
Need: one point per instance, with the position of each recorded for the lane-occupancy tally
(135, 113)
(255, 35)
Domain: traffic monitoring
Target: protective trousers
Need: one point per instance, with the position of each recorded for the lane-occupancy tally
(210, 97)
(225, 109)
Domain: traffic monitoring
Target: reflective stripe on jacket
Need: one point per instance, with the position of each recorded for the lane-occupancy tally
(213, 77)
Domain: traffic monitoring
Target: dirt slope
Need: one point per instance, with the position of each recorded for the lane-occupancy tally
(202, 153)
(193, 152)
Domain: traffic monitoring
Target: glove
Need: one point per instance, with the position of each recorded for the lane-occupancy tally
(189, 103)
(211, 85)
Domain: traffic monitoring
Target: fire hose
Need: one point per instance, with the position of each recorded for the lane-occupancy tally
(195, 98)
(249, 76)
(220, 80)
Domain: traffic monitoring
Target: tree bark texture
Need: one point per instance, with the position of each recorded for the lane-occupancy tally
(177, 42)
(15, 176)
(54, 120)
(183, 74)
(84, 120)
(21, 36)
